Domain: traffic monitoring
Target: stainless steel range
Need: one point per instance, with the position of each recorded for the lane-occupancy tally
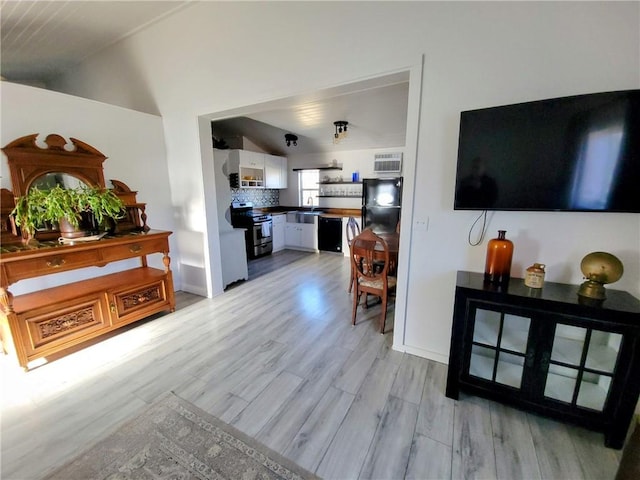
(258, 227)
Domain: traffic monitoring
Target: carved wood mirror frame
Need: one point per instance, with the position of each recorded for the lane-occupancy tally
(28, 161)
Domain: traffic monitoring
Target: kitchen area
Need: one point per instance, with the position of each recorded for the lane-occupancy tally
(267, 210)
(288, 177)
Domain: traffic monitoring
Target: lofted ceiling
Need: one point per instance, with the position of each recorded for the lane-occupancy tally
(43, 39)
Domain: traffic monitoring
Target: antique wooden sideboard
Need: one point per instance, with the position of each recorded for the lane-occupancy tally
(49, 322)
(45, 322)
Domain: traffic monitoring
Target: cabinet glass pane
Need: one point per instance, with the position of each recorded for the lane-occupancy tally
(568, 343)
(561, 382)
(515, 332)
(603, 351)
(593, 391)
(487, 327)
(482, 360)
(509, 369)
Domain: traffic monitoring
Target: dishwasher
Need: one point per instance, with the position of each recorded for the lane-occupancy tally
(330, 234)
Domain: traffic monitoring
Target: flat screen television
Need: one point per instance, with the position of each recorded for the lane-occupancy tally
(578, 153)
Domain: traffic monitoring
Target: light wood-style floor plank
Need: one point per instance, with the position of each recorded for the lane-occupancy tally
(556, 453)
(429, 460)
(282, 427)
(513, 444)
(349, 448)
(410, 380)
(594, 462)
(257, 414)
(277, 355)
(389, 451)
(436, 410)
(316, 434)
(473, 453)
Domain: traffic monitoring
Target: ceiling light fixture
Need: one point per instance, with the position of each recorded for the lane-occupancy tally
(341, 131)
(291, 138)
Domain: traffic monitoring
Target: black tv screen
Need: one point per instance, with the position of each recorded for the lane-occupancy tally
(578, 153)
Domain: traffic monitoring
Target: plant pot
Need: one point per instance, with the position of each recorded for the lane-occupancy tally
(67, 230)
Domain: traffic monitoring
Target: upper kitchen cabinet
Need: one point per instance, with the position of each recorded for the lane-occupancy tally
(249, 166)
(275, 169)
(258, 170)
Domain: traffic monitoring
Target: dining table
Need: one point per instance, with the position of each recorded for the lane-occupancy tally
(393, 242)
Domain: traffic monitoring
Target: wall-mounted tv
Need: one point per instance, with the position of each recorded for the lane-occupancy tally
(578, 153)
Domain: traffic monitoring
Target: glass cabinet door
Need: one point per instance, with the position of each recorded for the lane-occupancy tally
(499, 347)
(581, 366)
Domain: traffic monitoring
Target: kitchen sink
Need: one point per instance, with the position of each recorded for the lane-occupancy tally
(302, 217)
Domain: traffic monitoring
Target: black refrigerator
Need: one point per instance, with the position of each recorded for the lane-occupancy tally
(381, 203)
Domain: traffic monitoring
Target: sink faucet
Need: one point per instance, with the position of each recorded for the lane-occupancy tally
(310, 202)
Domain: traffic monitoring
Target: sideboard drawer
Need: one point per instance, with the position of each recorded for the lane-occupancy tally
(133, 301)
(70, 322)
(52, 263)
(134, 249)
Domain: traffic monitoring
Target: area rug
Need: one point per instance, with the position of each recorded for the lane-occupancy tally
(174, 439)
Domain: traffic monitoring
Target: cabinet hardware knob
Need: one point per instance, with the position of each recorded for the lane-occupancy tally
(135, 248)
(112, 307)
(56, 262)
(529, 358)
(544, 361)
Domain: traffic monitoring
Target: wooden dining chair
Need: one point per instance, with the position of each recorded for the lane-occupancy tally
(368, 252)
(353, 229)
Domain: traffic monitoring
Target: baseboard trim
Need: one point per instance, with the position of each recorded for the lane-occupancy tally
(419, 352)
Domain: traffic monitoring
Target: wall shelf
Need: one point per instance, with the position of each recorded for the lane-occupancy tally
(339, 183)
(339, 196)
(337, 167)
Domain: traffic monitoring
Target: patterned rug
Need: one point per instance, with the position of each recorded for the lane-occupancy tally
(174, 439)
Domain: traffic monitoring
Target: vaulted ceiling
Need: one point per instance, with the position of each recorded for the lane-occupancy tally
(43, 39)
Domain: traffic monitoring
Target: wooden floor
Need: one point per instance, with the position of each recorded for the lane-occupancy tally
(277, 357)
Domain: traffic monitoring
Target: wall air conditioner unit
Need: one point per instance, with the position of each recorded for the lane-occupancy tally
(387, 163)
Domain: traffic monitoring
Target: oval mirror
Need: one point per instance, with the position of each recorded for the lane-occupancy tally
(50, 180)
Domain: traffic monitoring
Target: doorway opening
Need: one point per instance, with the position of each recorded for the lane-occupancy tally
(215, 207)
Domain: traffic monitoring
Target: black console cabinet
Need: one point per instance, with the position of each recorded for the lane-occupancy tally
(545, 351)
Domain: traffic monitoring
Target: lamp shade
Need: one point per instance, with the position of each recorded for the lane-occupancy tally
(601, 267)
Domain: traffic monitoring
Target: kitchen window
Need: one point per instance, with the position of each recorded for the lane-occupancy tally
(308, 187)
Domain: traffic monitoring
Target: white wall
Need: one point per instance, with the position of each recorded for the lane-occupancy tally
(132, 141)
(216, 56)
(351, 161)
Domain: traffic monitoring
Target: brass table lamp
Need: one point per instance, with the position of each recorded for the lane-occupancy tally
(599, 268)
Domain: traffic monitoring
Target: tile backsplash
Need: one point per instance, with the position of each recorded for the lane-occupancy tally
(261, 197)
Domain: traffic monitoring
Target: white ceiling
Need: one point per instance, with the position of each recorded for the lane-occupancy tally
(376, 112)
(42, 39)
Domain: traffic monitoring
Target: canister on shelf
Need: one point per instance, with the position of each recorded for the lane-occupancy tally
(535, 275)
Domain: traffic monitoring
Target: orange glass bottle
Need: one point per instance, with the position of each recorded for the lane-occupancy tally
(497, 268)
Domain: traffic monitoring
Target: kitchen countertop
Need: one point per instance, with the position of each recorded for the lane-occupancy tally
(326, 212)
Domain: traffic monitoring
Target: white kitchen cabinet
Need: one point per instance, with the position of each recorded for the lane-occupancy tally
(249, 166)
(302, 236)
(309, 236)
(292, 235)
(275, 169)
(233, 256)
(278, 232)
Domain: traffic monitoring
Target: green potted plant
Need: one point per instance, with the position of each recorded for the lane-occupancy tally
(75, 210)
